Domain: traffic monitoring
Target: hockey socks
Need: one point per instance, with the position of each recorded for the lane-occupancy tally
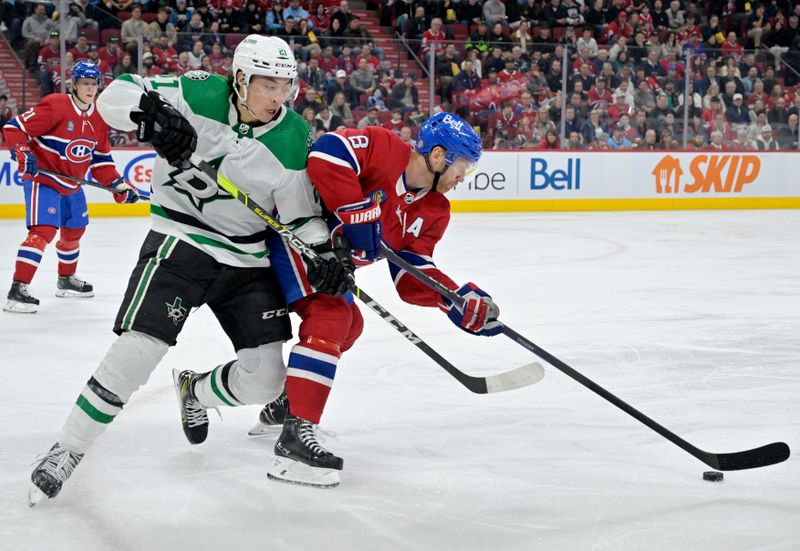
(30, 252)
(126, 366)
(310, 374)
(68, 249)
(215, 389)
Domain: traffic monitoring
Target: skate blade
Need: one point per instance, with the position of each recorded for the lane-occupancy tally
(15, 307)
(35, 496)
(288, 470)
(67, 293)
(261, 429)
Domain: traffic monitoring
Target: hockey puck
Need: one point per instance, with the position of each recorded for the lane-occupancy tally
(712, 476)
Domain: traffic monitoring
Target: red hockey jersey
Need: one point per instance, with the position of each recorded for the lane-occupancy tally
(349, 165)
(64, 139)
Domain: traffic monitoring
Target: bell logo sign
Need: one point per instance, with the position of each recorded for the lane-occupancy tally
(717, 173)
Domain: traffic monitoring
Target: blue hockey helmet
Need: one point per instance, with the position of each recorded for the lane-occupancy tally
(453, 134)
(84, 69)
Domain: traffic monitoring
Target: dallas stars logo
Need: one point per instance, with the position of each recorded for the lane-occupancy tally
(179, 179)
(175, 311)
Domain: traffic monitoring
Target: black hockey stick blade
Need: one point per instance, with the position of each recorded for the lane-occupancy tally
(777, 452)
(501, 382)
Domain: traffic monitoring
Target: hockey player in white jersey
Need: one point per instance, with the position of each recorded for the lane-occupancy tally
(205, 248)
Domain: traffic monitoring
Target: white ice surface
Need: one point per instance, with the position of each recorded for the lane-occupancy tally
(691, 317)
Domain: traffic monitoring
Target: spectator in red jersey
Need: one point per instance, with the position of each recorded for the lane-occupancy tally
(347, 61)
(619, 107)
(166, 55)
(227, 65)
(599, 96)
(328, 63)
(433, 38)
(731, 46)
(620, 27)
(149, 68)
(80, 51)
(550, 141)
(183, 64)
(366, 53)
(396, 122)
(110, 53)
(320, 18)
(49, 62)
(509, 72)
(759, 94)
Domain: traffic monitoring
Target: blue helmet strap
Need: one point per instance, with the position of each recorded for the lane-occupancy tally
(436, 173)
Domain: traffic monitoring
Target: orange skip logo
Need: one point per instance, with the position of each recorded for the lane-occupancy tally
(711, 173)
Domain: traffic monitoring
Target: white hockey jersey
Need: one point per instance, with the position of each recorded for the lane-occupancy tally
(267, 162)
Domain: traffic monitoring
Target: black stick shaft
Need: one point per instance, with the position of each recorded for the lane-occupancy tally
(765, 455)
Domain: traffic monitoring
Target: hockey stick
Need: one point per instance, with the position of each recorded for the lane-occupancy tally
(143, 195)
(515, 378)
(749, 459)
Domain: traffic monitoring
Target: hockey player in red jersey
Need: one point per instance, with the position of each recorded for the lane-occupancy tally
(63, 134)
(377, 188)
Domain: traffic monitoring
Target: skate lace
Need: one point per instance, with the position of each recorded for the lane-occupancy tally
(76, 282)
(307, 434)
(60, 462)
(23, 290)
(195, 414)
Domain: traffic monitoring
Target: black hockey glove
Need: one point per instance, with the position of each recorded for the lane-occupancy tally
(331, 273)
(165, 128)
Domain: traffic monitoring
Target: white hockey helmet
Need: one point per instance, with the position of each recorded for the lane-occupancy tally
(267, 56)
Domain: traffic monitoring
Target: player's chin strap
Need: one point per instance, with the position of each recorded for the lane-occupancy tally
(243, 98)
(436, 173)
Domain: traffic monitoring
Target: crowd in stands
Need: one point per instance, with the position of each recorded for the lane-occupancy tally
(500, 64)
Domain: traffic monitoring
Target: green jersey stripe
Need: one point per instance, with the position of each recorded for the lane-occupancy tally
(92, 411)
(203, 240)
(144, 282)
(187, 220)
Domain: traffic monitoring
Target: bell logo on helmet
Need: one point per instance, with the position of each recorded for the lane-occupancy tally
(454, 123)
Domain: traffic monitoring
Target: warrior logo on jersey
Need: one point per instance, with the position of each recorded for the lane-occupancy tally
(175, 311)
(80, 150)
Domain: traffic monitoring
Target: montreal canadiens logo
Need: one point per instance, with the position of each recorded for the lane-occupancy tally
(80, 150)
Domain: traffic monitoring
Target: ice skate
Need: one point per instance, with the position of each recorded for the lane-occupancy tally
(194, 417)
(50, 474)
(300, 459)
(20, 300)
(72, 287)
(271, 418)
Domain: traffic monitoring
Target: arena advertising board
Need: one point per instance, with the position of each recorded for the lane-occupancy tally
(537, 180)
(577, 180)
(134, 164)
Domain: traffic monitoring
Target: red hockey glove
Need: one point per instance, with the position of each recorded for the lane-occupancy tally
(361, 225)
(479, 313)
(124, 191)
(26, 161)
